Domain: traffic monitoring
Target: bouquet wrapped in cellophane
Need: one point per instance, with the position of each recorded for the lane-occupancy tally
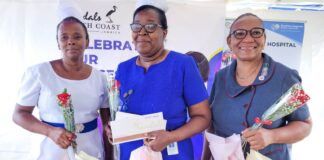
(114, 104)
(113, 95)
(65, 103)
(290, 101)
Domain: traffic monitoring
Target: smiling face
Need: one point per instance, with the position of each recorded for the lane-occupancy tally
(72, 41)
(148, 44)
(248, 48)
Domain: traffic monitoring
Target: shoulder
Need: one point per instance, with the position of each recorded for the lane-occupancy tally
(283, 76)
(180, 56)
(179, 59)
(39, 68)
(125, 67)
(285, 71)
(283, 68)
(98, 74)
(128, 62)
(279, 67)
(226, 70)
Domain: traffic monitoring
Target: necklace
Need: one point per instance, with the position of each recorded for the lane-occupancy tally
(250, 74)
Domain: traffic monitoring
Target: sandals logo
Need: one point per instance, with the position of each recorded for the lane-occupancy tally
(95, 22)
(110, 13)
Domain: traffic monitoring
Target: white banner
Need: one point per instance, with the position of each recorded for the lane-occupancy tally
(110, 34)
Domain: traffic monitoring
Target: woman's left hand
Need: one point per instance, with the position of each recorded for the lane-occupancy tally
(258, 139)
(158, 140)
(108, 132)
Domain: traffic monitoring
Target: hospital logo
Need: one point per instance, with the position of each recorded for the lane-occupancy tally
(275, 27)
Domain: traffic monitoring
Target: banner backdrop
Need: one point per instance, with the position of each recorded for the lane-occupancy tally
(110, 35)
(284, 42)
(28, 37)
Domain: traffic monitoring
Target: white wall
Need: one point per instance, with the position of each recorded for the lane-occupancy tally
(310, 70)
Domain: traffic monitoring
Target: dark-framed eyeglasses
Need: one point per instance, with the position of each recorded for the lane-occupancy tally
(254, 33)
(149, 28)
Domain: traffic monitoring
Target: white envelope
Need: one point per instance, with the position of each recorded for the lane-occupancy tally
(123, 115)
(130, 127)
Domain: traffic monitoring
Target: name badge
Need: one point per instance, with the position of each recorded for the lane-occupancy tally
(172, 148)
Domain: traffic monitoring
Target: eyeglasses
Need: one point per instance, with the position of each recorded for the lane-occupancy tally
(254, 33)
(149, 28)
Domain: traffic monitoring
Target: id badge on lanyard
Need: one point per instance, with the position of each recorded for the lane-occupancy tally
(172, 148)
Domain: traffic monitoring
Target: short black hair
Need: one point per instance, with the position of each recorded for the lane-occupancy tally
(72, 19)
(244, 15)
(161, 13)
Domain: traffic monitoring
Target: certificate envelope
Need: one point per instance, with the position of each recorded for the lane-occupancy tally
(129, 127)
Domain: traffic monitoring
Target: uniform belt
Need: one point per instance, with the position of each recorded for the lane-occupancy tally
(79, 127)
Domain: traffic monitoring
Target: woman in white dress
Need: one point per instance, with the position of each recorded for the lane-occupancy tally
(42, 83)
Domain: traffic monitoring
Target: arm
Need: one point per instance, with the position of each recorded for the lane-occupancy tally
(291, 133)
(104, 113)
(200, 117)
(23, 117)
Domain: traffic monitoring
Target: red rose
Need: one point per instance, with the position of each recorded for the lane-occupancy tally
(301, 96)
(63, 98)
(116, 84)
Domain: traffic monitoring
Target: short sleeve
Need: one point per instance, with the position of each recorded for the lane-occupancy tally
(29, 91)
(104, 103)
(212, 92)
(194, 88)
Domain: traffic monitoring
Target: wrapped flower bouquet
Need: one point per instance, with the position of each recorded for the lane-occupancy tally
(113, 94)
(290, 101)
(65, 103)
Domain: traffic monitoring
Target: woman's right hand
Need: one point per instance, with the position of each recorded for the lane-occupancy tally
(23, 117)
(108, 132)
(61, 137)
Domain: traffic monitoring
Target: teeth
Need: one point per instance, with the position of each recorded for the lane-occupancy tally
(247, 47)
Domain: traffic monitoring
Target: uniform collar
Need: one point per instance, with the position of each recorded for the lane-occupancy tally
(264, 75)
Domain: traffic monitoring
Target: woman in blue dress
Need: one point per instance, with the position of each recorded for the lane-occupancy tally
(165, 81)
